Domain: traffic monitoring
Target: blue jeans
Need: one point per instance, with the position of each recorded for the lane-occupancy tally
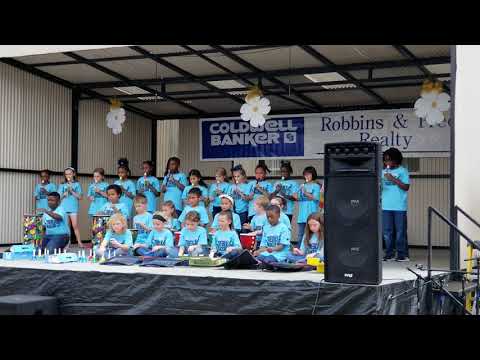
(267, 259)
(395, 233)
(301, 231)
(52, 242)
(243, 220)
(170, 252)
(291, 258)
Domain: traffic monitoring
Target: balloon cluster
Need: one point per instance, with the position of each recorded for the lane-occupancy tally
(99, 228)
(256, 107)
(116, 117)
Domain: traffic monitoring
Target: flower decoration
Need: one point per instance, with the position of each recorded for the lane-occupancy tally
(255, 108)
(32, 229)
(116, 117)
(433, 103)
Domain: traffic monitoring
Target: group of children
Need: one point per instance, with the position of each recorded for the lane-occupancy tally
(257, 207)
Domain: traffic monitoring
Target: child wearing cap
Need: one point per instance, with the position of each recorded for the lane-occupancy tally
(226, 204)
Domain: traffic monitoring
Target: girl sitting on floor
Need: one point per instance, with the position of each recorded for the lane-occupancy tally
(312, 242)
(159, 242)
(225, 240)
(193, 238)
(118, 239)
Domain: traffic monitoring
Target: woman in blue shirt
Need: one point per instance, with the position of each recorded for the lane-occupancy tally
(97, 191)
(43, 189)
(308, 198)
(127, 185)
(71, 193)
(173, 184)
(220, 187)
(149, 186)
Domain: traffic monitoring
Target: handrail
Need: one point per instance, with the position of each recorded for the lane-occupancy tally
(458, 208)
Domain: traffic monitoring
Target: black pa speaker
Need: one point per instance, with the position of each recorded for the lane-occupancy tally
(353, 213)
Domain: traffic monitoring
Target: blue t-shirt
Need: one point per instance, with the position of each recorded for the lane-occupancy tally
(305, 205)
(128, 185)
(142, 234)
(41, 199)
(189, 238)
(203, 189)
(173, 224)
(237, 225)
(199, 209)
(98, 199)
(56, 227)
(107, 209)
(212, 193)
(241, 205)
(256, 193)
(160, 238)
(173, 193)
(315, 246)
(394, 198)
(284, 219)
(124, 239)
(70, 202)
(288, 187)
(151, 198)
(276, 235)
(257, 224)
(224, 239)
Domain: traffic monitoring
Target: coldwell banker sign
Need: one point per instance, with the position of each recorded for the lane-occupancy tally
(304, 136)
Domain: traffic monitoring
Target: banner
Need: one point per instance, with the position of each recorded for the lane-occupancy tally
(304, 136)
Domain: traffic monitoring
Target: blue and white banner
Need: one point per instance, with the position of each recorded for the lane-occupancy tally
(304, 136)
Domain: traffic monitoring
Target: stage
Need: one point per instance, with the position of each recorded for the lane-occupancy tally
(100, 289)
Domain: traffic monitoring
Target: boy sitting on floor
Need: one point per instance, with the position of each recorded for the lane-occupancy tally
(275, 243)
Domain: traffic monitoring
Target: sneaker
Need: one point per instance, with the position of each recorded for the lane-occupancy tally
(402, 259)
(388, 258)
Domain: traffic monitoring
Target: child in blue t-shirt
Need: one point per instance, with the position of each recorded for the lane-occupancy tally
(97, 192)
(118, 239)
(259, 220)
(286, 188)
(43, 189)
(226, 204)
(174, 182)
(71, 193)
(113, 206)
(196, 181)
(275, 243)
(225, 240)
(194, 205)
(260, 187)
(142, 222)
(170, 215)
(193, 238)
(55, 222)
(241, 192)
(395, 186)
(128, 186)
(159, 241)
(149, 186)
(281, 202)
(308, 198)
(216, 190)
(312, 242)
